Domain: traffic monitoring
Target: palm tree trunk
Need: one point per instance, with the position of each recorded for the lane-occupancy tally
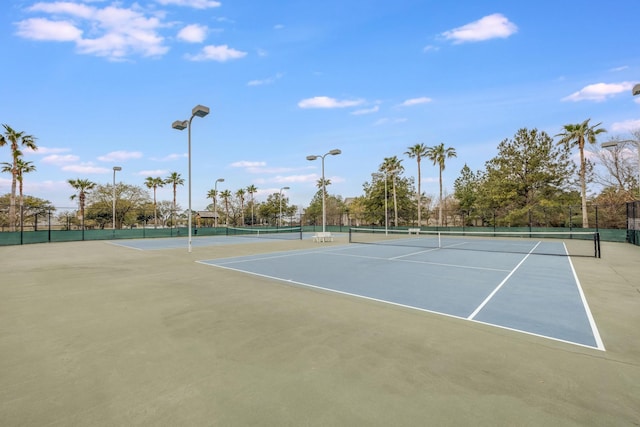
(419, 195)
(583, 188)
(440, 200)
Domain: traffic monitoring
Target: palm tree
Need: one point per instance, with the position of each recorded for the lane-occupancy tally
(83, 186)
(240, 195)
(576, 134)
(418, 151)
(23, 167)
(212, 194)
(438, 154)
(252, 189)
(226, 195)
(15, 140)
(392, 166)
(174, 179)
(154, 183)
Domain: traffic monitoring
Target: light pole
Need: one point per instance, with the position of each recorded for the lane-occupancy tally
(115, 168)
(280, 217)
(215, 198)
(200, 111)
(612, 144)
(386, 210)
(334, 152)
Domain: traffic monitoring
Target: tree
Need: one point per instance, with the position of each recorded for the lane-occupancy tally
(577, 135)
(174, 179)
(530, 171)
(418, 151)
(240, 195)
(82, 186)
(466, 189)
(225, 196)
(252, 190)
(392, 167)
(130, 200)
(438, 155)
(154, 183)
(15, 140)
(22, 168)
(620, 166)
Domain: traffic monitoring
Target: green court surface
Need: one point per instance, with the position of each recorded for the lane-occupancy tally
(97, 334)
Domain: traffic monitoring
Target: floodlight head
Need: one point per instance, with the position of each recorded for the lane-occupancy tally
(220, 180)
(610, 144)
(200, 110)
(335, 152)
(312, 157)
(636, 90)
(285, 188)
(117, 168)
(180, 124)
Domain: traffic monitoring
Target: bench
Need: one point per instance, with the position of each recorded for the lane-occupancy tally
(414, 230)
(324, 236)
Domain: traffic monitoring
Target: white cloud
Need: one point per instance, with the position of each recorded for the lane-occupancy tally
(626, 127)
(430, 48)
(266, 81)
(86, 169)
(46, 150)
(599, 91)
(156, 172)
(278, 27)
(193, 33)
(415, 101)
(326, 102)
(247, 164)
(221, 53)
(371, 110)
(44, 29)
(113, 32)
(170, 157)
(389, 121)
(195, 4)
(120, 155)
(486, 28)
(56, 159)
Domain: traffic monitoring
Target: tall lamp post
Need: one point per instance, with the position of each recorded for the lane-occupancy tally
(199, 111)
(613, 144)
(334, 152)
(378, 175)
(280, 217)
(215, 198)
(115, 168)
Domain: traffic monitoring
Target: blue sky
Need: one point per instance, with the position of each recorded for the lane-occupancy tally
(100, 82)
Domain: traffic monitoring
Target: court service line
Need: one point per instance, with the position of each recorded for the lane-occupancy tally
(421, 262)
(487, 299)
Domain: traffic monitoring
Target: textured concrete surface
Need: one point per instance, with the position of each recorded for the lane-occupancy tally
(92, 334)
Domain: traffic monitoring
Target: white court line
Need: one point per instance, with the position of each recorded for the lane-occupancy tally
(322, 288)
(592, 322)
(486, 301)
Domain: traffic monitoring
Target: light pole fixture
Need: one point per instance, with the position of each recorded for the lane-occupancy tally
(333, 152)
(199, 111)
(280, 217)
(215, 198)
(613, 144)
(115, 168)
(378, 175)
(636, 90)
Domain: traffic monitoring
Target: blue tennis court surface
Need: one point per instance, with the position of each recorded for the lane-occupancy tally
(534, 294)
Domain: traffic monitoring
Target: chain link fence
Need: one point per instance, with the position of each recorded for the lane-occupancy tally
(617, 223)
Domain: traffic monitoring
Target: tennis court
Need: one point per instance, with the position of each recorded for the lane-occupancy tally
(509, 284)
(274, 332)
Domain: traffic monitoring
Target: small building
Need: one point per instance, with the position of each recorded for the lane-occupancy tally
(206, 218)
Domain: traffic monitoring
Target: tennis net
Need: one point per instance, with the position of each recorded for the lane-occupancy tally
(286, 233)
(586, 244)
